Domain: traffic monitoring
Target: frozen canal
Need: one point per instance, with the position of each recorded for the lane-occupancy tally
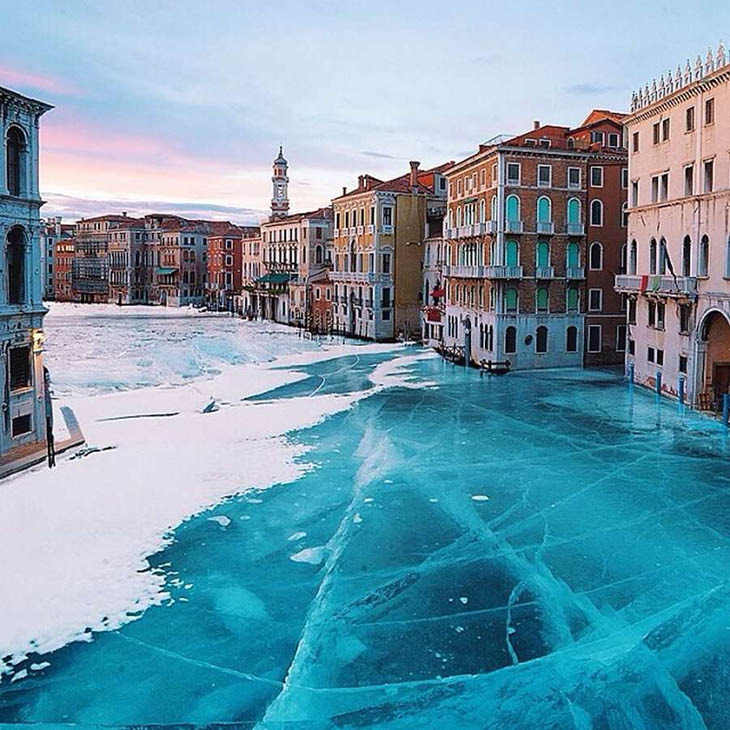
(427, 549)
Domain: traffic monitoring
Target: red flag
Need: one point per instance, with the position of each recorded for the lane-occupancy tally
(644, 282)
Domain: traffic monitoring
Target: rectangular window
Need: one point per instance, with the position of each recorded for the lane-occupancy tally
(544, 175)
(710, 111)
(387, 216)
(664, 186)
(650, 354)
(709, 167)
(632, 311)
(689, 119)
(574, 178)
(632, 347)
(684, 318)
(682, 364)
(595, 300)
(655, 189)
(651, 314)
(594, 338)
(19, 367)
(597, 137)
(624, 177)
(613, 139)
(596, 177)
(21, 425)
(659, 357)
(386, 266)
(635, 142)
(621, 338)
(689, 179)
(385, 298)
(634, 193)
(665, 129)
(655, 136)
(660, 316)
(513, 173)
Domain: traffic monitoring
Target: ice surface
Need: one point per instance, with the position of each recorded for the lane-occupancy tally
(590, 590)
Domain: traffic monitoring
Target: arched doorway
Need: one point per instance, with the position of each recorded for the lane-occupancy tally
(714, 339)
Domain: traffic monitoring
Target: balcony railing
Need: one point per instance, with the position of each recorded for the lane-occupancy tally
(544, 272)
(575, 272)
(503, 272)
(491, 226)
(575, 229)
(682, 286)
(464, 272)
(514, 226)
(546, 228)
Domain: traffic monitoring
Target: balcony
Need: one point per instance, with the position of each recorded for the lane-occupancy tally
(360, 230)
(575, 229)
(464, 272)
(575, 272)
(370, 229)
(514, 226)
(503, 272)
(386, 230)
(491, 226)
(546, 228)
(544, 272)
(682, 286)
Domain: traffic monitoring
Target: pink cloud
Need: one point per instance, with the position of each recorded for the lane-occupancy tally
(17, 78)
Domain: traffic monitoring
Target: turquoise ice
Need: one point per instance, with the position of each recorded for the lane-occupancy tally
(541, 550)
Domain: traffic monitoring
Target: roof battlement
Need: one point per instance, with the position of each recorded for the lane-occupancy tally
(677, 80)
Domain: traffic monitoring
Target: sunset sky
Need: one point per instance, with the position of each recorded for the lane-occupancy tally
(182, 105)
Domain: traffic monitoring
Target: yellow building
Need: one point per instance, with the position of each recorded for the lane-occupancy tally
(379, 229)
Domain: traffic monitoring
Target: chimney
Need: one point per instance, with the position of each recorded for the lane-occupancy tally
(414, 173)
(124, 213)
(536, 124)
(344, 190)
(361, 181)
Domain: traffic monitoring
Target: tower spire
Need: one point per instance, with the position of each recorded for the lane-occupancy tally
(280, 186)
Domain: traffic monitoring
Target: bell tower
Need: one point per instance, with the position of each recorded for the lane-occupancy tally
(280, 184)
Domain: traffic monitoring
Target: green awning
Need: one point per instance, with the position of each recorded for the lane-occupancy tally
(273, 278)
(165, 270)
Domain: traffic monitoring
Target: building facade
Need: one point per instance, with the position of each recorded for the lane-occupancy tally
(52, 232)
(226, 244)
(21, 308)
(678, 262)
(519, 212)
(62, 270)
(379, 231)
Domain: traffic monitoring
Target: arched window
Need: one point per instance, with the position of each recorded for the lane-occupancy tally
(318, 254)
(652, 256)
(572, 299)
(596, 213)
(511, 253)
(625, 215)
(686, 256)
(574, 211)
(632, 258)
(571, 339)
(458, 217)
(493, 208)
(482, 210)
(490, 337)
(510, 340)
(541, 339)
(15, 256)
(15, 147)
(542, 299)
(622, 260)
(137, 258)
(510, 299)
(544, 210)
(573, 255)
(595, 256)
(662, 256)
(513, 208)
(704, 256)
(542, 254)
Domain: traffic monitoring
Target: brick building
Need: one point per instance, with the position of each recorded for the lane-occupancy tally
(516, 245)
(379, 230)
(226, 243)
(125, 256)
(52, 232)
(64, 254)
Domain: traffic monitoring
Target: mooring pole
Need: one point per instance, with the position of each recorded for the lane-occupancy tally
(681, 391)
(725, 408)
(658, 383)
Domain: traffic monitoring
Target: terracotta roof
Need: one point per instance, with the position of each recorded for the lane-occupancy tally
(107, 217)
(599, 115)
(400, 184)
(324, 212)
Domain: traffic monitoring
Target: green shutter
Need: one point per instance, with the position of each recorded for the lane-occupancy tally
(511, 257)
(573, 211)
(573, 255)
(543, 254)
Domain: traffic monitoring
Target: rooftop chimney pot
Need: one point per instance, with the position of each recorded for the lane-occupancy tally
(414, 173)
(536, 124)
(344, 190)
(361, 181)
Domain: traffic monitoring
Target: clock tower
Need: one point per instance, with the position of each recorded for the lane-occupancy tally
(280, 183)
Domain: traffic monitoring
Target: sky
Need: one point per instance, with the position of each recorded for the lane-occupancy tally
(181, 105)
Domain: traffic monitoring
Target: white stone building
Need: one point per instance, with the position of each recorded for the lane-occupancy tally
(23, 426)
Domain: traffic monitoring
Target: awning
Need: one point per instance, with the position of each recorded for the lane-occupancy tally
(273, 278)
(438, 293)
(165, 270)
